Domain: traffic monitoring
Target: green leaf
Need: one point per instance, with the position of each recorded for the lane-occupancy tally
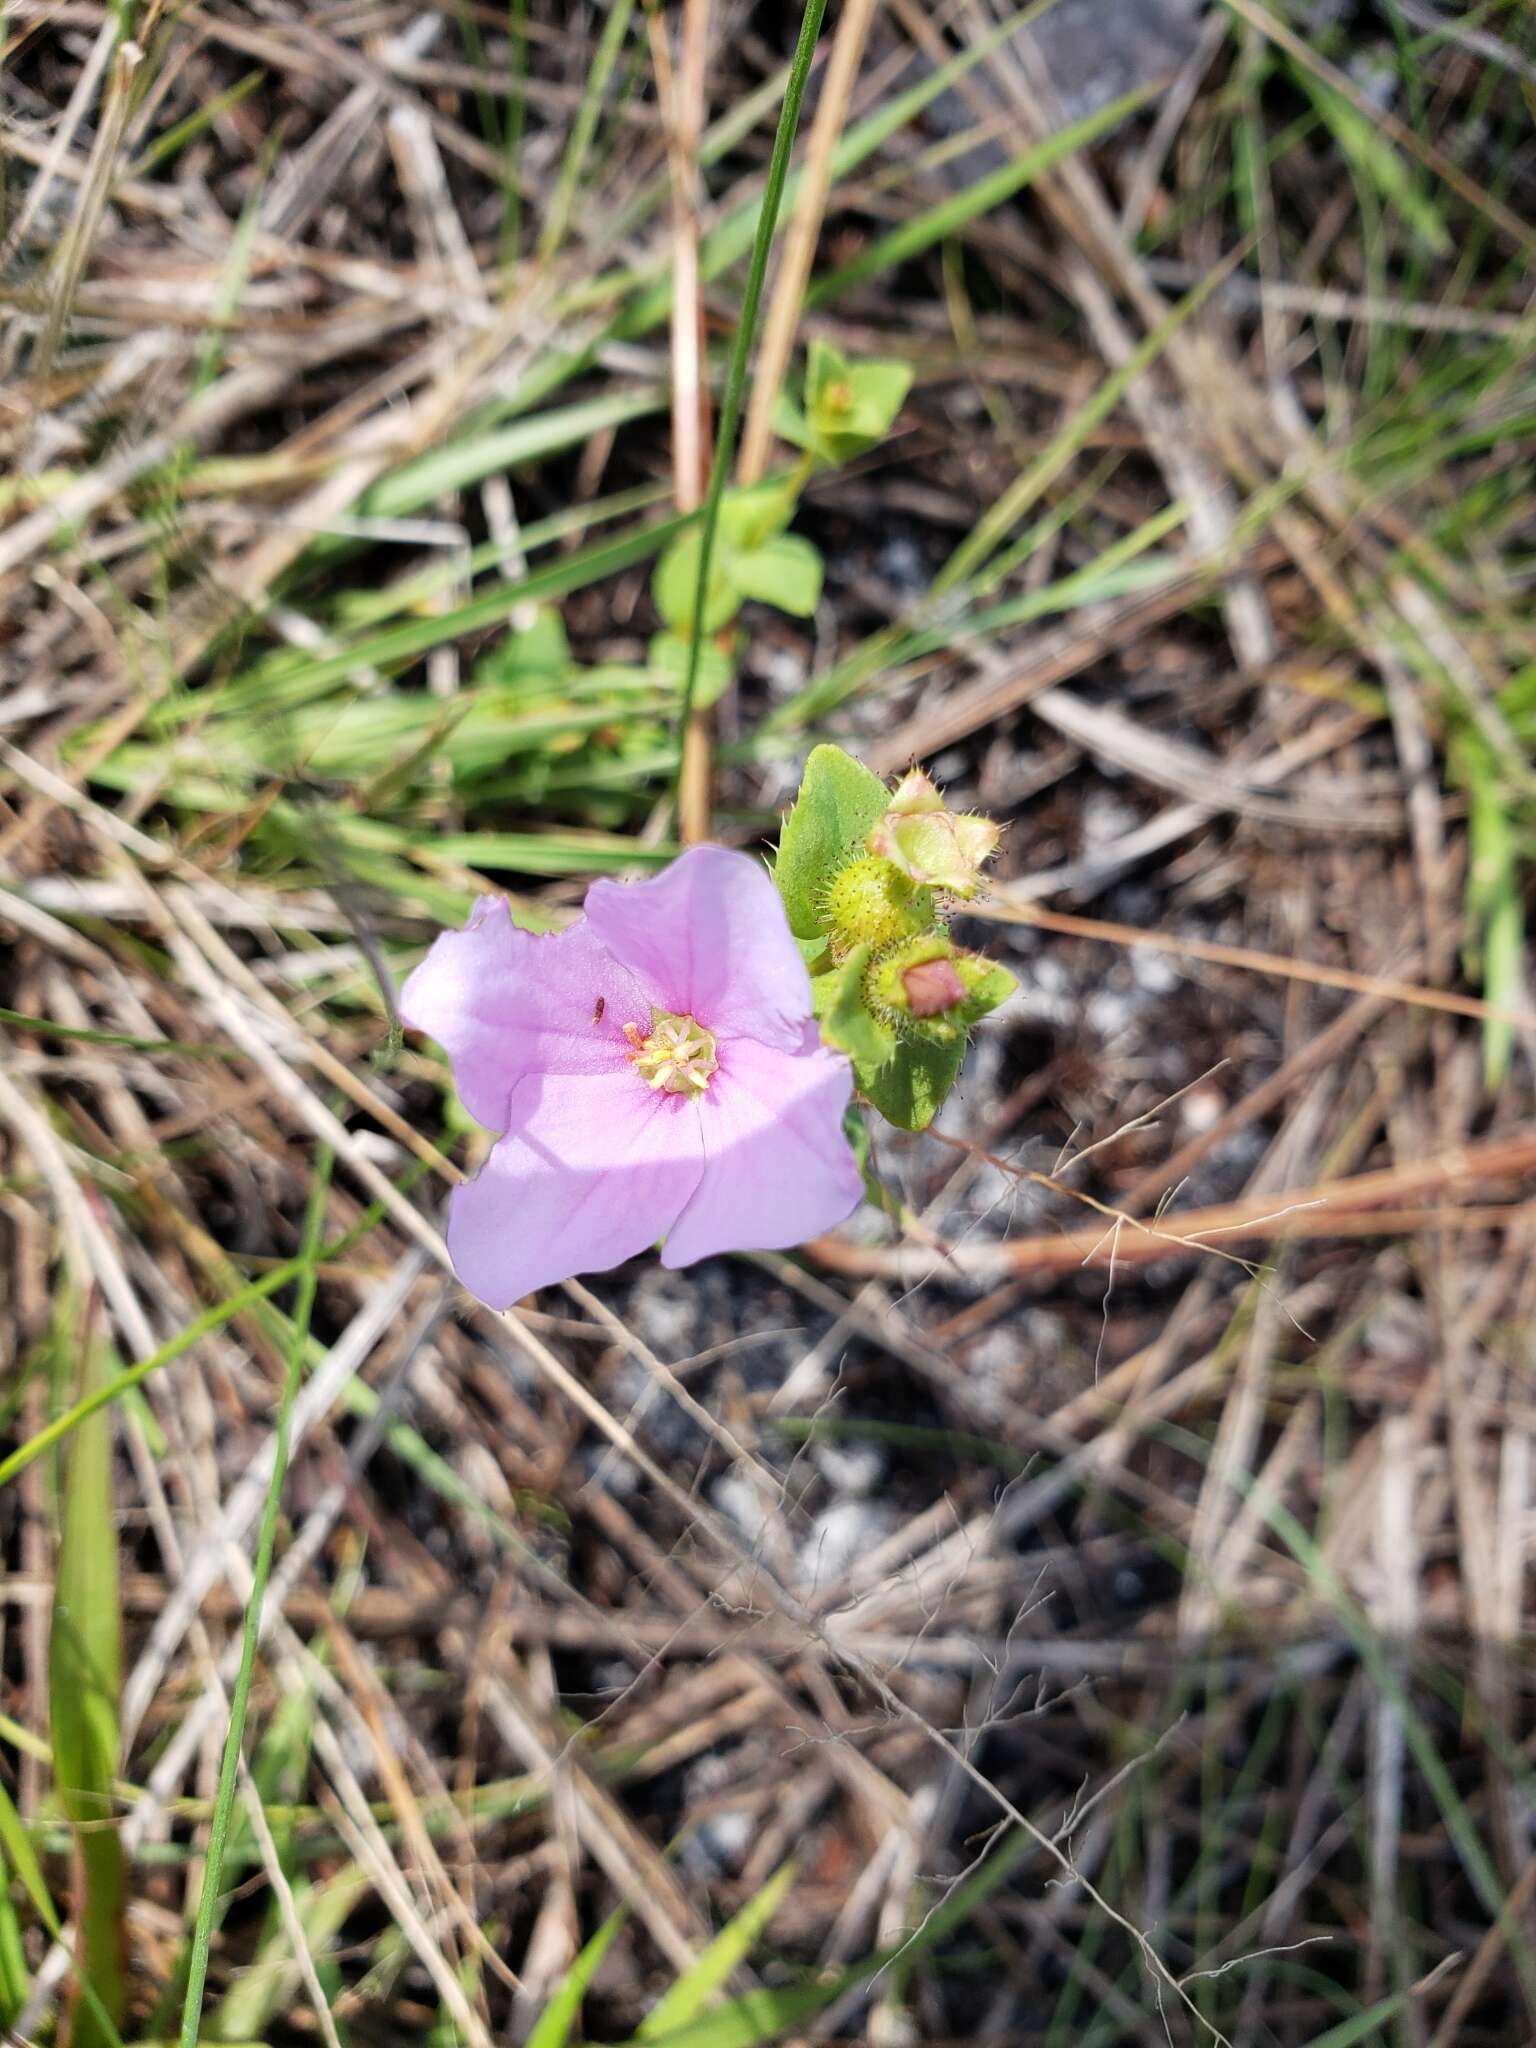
(785, 572)
(880, 390)
(845, 1019)
(687, 1998)
(856, 1131)
(791, 424)
(553, 2026)
(839, 801)
(825, 368)
(983, 992)
(847, 407)
(539, 651)
(909, 1092)
(752, 557)
(752, 516)
(669, 654)
(675, 587)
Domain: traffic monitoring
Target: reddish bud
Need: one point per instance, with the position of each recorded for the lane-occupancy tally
(932, 986)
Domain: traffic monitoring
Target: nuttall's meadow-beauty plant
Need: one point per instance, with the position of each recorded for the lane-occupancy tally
(656, 1071)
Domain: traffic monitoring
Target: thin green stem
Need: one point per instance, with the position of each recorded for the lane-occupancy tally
(266, 1542)
(741, 348)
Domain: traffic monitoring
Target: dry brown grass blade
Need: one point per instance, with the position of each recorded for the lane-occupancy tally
(1250, 960)
(1370, 1203)
(682, 91)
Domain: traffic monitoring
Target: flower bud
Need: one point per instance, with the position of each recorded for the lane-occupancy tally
(871, 902)
(929, 986)
(931, 844)
(932, 987)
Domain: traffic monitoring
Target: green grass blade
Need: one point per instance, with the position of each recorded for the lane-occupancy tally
(971, 561)
(469, 461)
(539, 853)
(229, 1768)
(687, 1998)
(211, 1319)
(84, 1681)
(553, 2027)
(48, 1028)
(584, 127)
(13, 1958)
(754, 2018)
(517, 121)
(1377, 158)
(403, 643)
(1363, 2026)
(265, 1992)
(175, 139)
(1067, 443)
(954, 213)
(18, 1855)
(1460, 1823)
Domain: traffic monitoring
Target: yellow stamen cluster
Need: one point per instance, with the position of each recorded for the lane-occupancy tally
(677, 1056)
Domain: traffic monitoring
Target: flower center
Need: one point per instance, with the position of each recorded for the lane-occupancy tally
(678, 1055)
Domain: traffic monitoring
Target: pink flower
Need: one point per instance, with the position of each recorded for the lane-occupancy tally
(654, 1070)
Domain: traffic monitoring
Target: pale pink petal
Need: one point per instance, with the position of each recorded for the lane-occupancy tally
(596, 1167)
(709, 939)
(503, 1003)
(777, 1167)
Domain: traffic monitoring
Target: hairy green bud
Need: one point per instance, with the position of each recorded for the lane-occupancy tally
(927, 988)
(872, 903)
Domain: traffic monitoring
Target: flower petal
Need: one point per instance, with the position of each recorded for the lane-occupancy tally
(504, 1003)
(777, 1167)
(596, 1168)
(709, 938)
